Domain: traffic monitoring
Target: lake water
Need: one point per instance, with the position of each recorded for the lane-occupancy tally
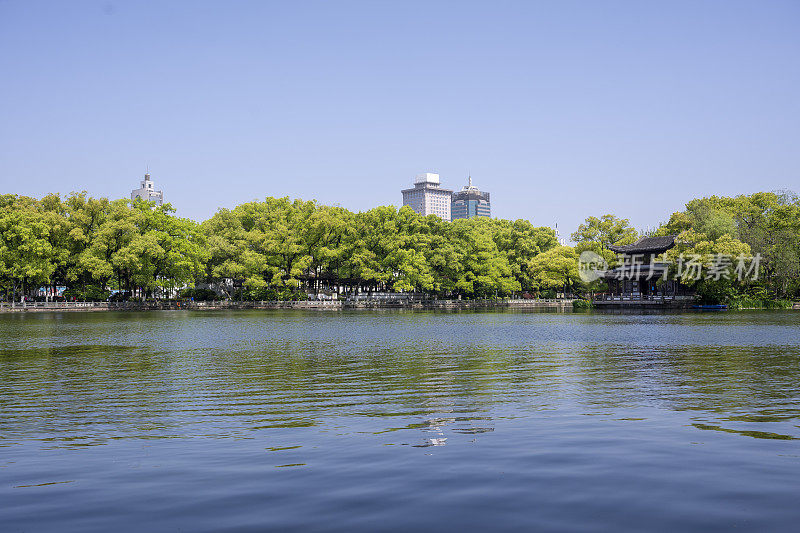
(377, 421)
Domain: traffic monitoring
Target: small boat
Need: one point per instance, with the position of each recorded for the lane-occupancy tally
(711, 307)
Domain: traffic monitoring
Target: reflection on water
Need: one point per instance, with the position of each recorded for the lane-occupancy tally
(569, 410)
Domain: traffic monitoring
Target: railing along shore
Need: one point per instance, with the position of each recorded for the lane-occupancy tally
(640, 298)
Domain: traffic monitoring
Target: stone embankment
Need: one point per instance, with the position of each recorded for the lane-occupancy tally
(333, 305)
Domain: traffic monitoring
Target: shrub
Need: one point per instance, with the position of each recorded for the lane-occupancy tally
(581, 304)
(750, 302)
(777, 304)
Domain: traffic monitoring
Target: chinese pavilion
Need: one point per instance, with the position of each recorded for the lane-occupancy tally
(641, 275)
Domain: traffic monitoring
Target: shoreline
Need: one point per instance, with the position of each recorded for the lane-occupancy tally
(39, 307)
(455, 305)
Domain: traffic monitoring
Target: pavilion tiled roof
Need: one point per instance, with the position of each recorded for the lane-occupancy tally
(636, 272)
(646, 245)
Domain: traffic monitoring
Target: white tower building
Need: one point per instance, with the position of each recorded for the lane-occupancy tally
(147, 192)
(427, 197)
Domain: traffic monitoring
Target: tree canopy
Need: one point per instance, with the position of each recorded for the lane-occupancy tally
(274, 248)
(764, 224)
(282, 248)
(279, 245)
(93, 243)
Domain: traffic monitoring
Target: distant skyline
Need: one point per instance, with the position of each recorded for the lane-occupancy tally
(562, 110)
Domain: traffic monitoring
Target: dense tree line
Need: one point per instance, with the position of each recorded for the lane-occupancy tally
(763, 224)
(90, 244)
(279, 248)
(261, 250)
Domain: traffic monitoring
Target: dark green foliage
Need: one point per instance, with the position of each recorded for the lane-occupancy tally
(269, 294)
(89, 293)
(715, 292)
(199, 295)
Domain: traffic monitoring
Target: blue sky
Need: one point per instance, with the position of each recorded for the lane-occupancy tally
(560, 109)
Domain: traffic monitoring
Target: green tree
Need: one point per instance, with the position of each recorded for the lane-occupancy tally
(26, 255)
(556, 269)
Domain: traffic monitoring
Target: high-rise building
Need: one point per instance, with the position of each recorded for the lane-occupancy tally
(470, 202)
(147, 192)
(427, 197)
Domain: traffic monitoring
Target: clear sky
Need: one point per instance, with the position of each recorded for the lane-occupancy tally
(560, 109)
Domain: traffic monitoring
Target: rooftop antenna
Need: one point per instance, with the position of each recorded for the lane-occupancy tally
(470, 180)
